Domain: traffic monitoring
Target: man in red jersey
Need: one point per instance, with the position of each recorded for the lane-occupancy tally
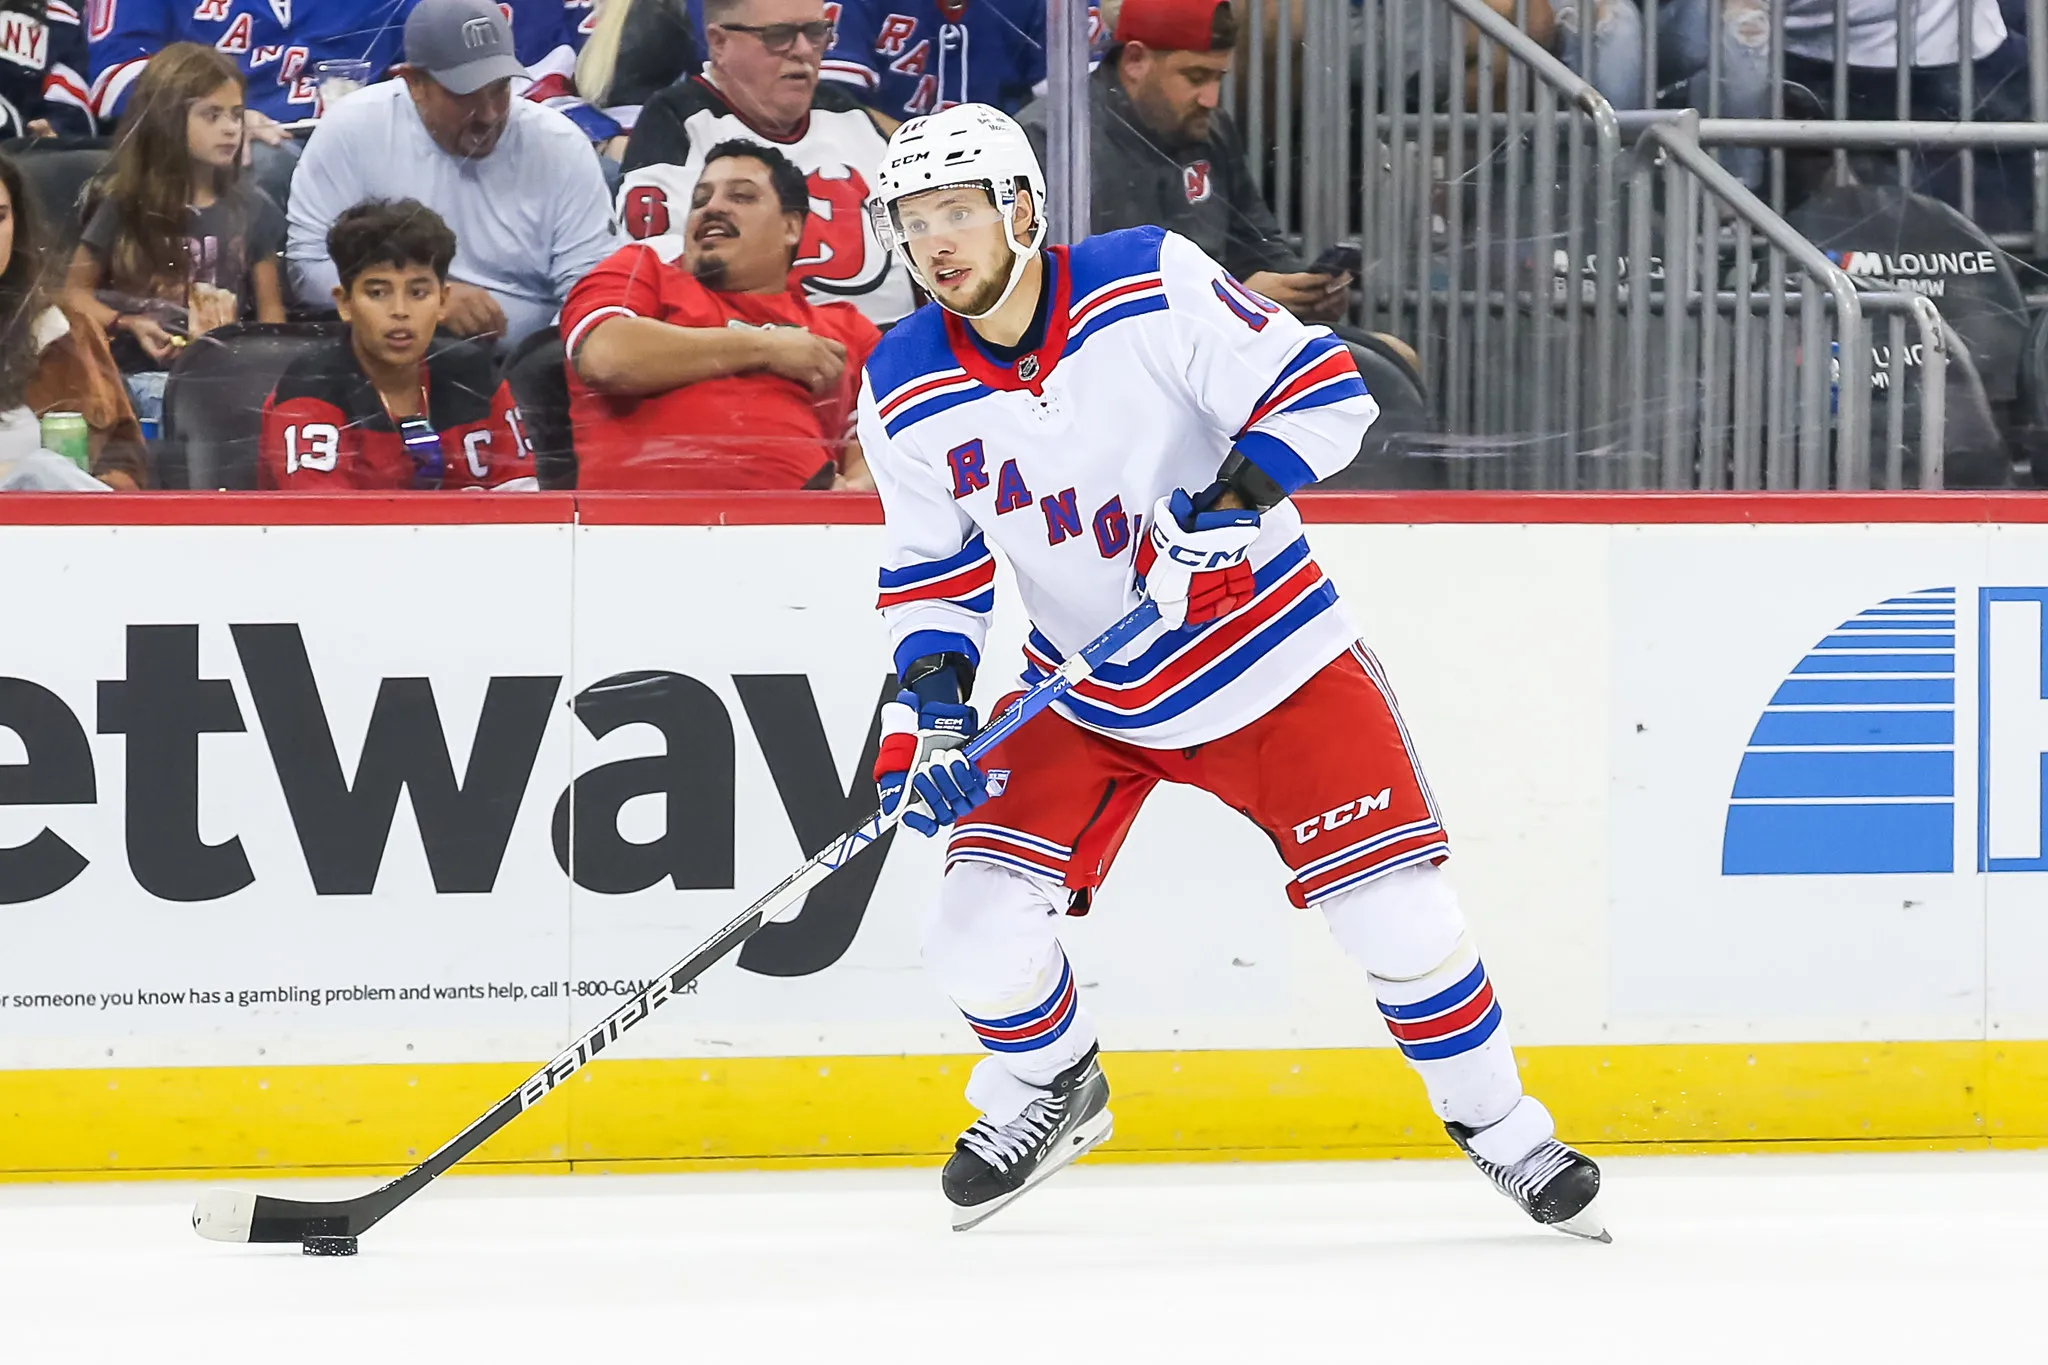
(378, 409)
(693, 364)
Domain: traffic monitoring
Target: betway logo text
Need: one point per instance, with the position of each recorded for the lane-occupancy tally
(163, 707)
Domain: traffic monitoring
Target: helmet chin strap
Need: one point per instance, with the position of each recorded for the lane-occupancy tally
(1020, 257)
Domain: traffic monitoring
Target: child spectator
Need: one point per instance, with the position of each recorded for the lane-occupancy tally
(51, 360)
(177, 245)
(377, 409)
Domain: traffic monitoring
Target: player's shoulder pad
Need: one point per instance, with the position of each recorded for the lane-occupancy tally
(916, 346)
(462, 378)
(1104, 259)
(326, 374)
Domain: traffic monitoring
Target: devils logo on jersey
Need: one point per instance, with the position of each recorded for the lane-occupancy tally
(1194, 178)
(839, 253)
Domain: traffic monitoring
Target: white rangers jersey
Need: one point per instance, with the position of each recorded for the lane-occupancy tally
(1155, 363)
(839, 259)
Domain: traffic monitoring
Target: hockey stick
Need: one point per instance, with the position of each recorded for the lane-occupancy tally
(330, 1227)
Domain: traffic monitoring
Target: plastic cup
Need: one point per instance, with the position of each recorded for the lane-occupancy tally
(336, 78)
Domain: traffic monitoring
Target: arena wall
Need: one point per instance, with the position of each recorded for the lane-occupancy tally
(1724, 906)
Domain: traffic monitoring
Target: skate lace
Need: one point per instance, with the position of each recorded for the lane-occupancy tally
(1529, 1175)
(1004, 1146)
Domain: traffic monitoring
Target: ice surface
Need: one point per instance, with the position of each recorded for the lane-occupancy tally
(1928, 1259)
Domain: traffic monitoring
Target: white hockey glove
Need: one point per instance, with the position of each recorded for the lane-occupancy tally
(1196, 565)
(919, 761)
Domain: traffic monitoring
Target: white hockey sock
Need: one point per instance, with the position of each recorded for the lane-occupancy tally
(1448, 1025)
(1406, 930)
(993, 945)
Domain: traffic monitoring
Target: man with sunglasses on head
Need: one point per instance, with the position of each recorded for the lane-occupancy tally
(762, 83)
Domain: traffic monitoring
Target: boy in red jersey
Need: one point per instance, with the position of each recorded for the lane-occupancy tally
(379, 408)
(693, 363)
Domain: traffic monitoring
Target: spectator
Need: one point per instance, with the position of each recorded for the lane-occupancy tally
(762, 83)
(379, 409)
(889, 52)
(716, 373)
(277, 46)
(516, 181)
(43, 63)
(177, 245)
(635, 48)
(54, 360)
(1163, 153)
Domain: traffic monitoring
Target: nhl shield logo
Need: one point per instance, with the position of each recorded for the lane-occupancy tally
(1027, 368)
(1194, 178)
(998, 781)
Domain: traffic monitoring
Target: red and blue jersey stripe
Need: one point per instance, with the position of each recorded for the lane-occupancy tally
(964, 579)
(1183, 668)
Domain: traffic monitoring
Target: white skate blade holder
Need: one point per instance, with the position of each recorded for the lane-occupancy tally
(1078, 1143)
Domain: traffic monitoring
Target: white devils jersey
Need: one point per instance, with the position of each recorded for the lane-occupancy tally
(839, 146)
(1155, 363)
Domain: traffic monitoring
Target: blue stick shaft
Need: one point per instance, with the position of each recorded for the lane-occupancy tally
(1052, 689)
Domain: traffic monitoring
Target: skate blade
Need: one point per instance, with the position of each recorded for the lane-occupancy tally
(1080, 1142)
(1586, 1223)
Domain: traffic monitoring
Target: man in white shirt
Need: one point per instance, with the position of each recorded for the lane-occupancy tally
(516, 181)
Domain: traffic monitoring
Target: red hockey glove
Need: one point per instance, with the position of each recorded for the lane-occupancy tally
(1196, 565)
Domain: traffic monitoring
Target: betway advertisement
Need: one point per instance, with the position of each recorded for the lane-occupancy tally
(370, 793)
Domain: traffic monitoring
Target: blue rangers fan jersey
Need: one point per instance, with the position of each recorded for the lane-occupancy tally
(42, 68)
(275, 42)
(1056, 460)
(546, 36)
(911, 57)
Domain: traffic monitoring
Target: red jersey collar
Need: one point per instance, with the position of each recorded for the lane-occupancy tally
(1033, 368)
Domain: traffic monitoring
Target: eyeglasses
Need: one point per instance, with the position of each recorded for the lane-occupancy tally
(780, 38)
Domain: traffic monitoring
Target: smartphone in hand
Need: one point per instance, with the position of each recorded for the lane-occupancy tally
(1345, 258)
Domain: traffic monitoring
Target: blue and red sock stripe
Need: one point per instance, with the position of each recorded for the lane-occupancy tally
(1035, 1028)
(1016, 849)
(1449, 1023)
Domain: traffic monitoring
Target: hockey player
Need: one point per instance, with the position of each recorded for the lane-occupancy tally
(1156, 465)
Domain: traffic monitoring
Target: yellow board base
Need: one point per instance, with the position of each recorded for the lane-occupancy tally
(767, 1112)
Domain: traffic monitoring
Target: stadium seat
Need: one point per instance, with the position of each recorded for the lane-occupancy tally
(60, 169)
(541, 388)
(1390, 457)
(213, 401)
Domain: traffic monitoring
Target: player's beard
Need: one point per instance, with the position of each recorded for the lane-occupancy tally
(988, 292)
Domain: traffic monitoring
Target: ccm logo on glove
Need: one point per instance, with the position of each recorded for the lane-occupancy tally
(1196, 565)
(920, 767)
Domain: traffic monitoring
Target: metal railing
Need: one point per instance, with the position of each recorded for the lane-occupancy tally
(1582, 318)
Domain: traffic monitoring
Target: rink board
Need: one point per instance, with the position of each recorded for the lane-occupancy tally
(1746, 795)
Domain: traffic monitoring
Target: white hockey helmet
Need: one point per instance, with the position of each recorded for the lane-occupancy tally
(968, 144)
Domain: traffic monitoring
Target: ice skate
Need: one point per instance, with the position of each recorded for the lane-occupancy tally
(994, 1163)
(1553, 1184)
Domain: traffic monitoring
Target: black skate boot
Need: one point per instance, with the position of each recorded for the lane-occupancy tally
(1553, 1184)
(992, 1165)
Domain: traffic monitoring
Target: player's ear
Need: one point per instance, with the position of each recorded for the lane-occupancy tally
(1023, 217)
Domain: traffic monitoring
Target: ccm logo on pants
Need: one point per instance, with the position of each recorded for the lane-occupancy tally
(1342, 815)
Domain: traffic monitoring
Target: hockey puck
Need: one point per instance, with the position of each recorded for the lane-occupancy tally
(328, 1246)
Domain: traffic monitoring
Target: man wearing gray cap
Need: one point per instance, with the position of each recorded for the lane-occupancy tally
(516, 181)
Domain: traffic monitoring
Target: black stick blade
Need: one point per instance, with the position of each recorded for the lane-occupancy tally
(225, 1216)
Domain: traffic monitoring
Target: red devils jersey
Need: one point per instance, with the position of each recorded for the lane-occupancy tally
(838, 148)
(325, 428)
(744, 431)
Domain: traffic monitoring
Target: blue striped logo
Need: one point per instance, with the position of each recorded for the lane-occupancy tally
(1852, 766)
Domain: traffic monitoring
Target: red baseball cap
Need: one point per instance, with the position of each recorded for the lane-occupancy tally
(1169, 25)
